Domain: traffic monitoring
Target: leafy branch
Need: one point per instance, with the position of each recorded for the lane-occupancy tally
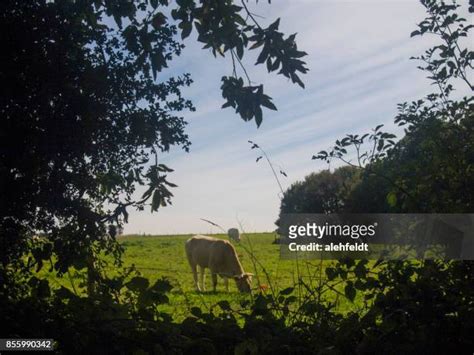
(221, 27)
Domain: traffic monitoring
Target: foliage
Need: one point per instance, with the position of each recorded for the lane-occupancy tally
(410, 306)
(81, 140)
(323, 192)
(87, 113)
(416, 306)
(407, 308)
(271, 272)
(421, 306)
(431, 168)
(85, 116)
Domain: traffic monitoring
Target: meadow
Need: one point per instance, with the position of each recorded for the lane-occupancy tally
(164, 256)
(156, 257)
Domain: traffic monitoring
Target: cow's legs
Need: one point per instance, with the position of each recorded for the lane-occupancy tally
(195, 276)
(226, 283)
(214, 280)
(203, 278)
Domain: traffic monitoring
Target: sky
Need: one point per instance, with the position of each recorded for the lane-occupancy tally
(358, 57)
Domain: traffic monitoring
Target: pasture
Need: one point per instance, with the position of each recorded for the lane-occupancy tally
(164, 256)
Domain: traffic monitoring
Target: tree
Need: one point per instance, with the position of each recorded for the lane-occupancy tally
(422, 305)
(85, 114)
(323, 192)
(430, 168)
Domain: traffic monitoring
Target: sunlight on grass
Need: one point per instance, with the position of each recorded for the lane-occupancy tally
(164, 256)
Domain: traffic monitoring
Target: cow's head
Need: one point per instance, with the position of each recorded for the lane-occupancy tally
(244, 282)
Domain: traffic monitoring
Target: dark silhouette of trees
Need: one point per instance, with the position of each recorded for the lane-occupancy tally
(323, 192)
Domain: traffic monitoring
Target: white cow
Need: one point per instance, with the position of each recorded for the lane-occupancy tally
(220, 257)
(234, 234)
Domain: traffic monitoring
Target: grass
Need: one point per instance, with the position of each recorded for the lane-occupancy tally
(164, 256)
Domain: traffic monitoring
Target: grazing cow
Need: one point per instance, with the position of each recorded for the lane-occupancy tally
(234, 234)
(220, 257)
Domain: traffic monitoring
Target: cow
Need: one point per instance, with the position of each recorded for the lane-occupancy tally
(234, 234)
(220, 257)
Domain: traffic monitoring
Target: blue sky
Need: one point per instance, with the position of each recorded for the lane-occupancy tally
(358, 56)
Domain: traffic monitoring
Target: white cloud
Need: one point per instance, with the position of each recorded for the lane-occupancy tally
(359, 70)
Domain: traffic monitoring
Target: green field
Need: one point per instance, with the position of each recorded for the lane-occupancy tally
(164, 256)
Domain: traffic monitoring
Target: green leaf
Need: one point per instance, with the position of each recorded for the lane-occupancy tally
(118, 20)
(268, 104)
(380, 145)
(150, 297)
(287, 291)
(258, 116)
(350, 291)
(163, 167)
(256, 44)
(224, 305)
(40, 288)
(137, 284)
(296, 79)
(240, 50)
(162, 285)
(388, 135)
(331, 273)
(392, 199)
(196, 311)
(274, 26)
(262, 56)
(156, 201)
(186, 29)
(64, 293)
(360, 270)
(158, 20)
